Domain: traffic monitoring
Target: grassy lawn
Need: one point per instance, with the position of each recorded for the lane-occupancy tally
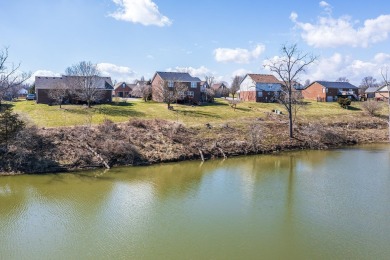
(219, 112)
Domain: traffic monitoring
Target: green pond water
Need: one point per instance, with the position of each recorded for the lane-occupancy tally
(299, 205)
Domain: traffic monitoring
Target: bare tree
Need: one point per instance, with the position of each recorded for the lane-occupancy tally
(384, 73)
(143, 90)
(84, 81)
(307, 82)
(288, 67)
(10, 77)
(209, 95)
(58, 93)
(170, 92)
(225, 91)
(367, 82)
(342, 79)
(235, 86)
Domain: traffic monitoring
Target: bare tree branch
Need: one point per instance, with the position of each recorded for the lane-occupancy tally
(10, 76)
(292, 63)
(84, 81)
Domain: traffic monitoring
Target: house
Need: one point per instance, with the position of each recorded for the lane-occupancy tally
(204, 86)
(173, 80)
(123, 89)
(382, 93)
(328, 91)
(43, 86)
(22, 92)
(220, 90)
(260, 88)
(370, 92)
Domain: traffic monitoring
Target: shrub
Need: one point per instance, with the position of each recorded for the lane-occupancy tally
(10, 125)
(344, 102)
(372, 107)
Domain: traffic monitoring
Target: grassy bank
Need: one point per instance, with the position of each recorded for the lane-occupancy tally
(217, 113)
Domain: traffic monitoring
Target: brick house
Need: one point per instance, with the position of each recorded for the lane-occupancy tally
(327, 91)
(382, 93)
(259, 88)
(123, 89)
(43, 85)
(220, 90)
(192, 95)
(204, 86)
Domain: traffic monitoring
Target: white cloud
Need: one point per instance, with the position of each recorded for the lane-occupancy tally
(42, 73)
(342, 31)
(338, 65)
(144, 12)
(382, 58)
(327, 7)
(240, 72)
(200, 72)
(118, 73)
(238, 55)
(324, 4)
(293, 16)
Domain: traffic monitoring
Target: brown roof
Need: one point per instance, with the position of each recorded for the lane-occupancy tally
(120, 84)
(218, 86)
(264, 78)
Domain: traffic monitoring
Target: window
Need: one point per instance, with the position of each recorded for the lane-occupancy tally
(123, 85)
(190, 93)
(325, 90)
(193, 85)
(260, 94)
(181, 94)
(170, 84)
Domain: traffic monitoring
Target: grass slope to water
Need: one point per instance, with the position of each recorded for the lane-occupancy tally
(219, 112)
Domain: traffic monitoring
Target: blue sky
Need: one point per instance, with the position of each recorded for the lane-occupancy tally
(133, 38)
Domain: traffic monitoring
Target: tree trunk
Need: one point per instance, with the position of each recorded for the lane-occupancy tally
(290, 123)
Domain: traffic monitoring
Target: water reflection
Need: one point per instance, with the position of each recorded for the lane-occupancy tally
(309, 204)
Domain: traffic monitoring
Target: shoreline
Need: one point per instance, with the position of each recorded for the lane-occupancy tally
(148, 142)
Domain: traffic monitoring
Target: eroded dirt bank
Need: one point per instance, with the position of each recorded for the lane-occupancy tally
(145, 142)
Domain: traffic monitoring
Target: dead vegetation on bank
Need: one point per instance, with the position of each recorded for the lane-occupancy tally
(144, 142)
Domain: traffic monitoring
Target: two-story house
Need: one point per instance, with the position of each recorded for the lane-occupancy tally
(260, 88)
(172, 80)
(123, 89)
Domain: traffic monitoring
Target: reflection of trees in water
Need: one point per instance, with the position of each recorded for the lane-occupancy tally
(75, 191)
(12, 198)
(170, 179)
(92, 188)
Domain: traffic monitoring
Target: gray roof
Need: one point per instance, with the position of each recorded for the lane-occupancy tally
(47, 82)
(177, 76)
(55, 82)
(335, 84)
(372, 89)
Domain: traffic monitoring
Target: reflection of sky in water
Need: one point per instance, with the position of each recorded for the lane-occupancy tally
(310, 204)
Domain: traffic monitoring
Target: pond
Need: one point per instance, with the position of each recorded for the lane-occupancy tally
(298, 205)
